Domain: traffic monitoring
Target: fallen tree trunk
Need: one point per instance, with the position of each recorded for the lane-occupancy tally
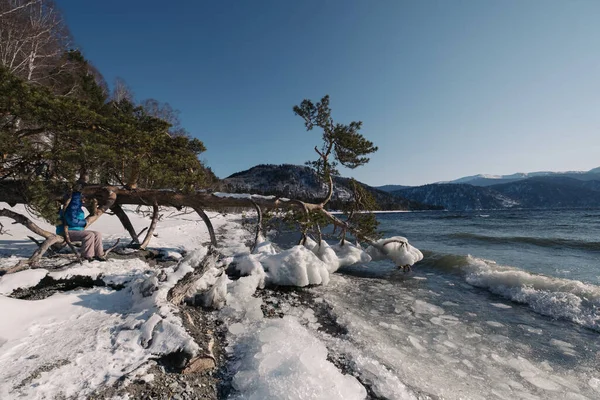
(116, 196)
(185, 287)
(11, 192)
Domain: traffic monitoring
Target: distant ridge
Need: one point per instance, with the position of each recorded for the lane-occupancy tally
(538, 192)
(302, 183)
(391, 188)
(488, 180)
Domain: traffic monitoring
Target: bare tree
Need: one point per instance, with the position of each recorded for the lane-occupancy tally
(18, 7)
(33, 38)
(167, 113)
(121, 91)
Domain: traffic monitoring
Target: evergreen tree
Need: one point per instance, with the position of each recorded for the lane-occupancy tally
(344, 145)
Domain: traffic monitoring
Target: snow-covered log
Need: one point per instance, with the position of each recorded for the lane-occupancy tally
(111, 196)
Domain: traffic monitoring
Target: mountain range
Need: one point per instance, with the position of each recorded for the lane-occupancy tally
(573, 189)
(489, 180)
(522, 190)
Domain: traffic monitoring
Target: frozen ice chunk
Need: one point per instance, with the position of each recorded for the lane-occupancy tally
(297, 266)
(349, 254)
(422, 307)
(215, 297)
(501, 305)
(327, 255)
(594, 384)
(237, 328)
(540, 382)
(248, 264)
(561, 344)
(396, 249)
(531, 329)
(416, 344)
(244, 288)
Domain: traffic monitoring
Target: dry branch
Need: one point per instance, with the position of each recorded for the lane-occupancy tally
(152, 227)
(126, 222)
(258, 225)
(111, 248)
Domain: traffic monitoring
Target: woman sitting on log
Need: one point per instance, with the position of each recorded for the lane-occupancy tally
(74, 218)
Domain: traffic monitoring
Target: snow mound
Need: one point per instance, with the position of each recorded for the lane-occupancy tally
(23, 279)
(90, 337)
(241, 305)
(327, 255)
(396, 249)
(297, 266)
(349, 254)
(274, 367)
(249, 264)
(264, 247)
(310, 244)
(337, 255)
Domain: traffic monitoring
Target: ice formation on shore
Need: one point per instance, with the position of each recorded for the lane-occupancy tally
(396, 249)
(91, 337)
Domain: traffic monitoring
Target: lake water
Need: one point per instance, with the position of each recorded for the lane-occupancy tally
(505, 304)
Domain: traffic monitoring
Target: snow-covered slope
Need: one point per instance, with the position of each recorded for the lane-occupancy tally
(488, 180)
(292, 181)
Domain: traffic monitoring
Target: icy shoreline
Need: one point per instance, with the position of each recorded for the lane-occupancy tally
(98, 329)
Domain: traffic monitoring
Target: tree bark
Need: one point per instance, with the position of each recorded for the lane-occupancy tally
(108, 197)
(152, 226)
(35, 257)
(211, 231)
(329, 191)
(51, 239)
(23, 220)
(126, 222)
(184, 287)
(258, 225)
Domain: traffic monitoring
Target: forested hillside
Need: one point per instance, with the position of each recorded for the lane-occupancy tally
(301, 182)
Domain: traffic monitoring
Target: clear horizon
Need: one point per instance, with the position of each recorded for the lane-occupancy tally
(445, 89)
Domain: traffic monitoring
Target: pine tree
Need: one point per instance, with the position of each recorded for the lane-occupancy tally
(342, 145)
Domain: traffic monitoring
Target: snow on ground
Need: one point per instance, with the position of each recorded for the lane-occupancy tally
(71, 343)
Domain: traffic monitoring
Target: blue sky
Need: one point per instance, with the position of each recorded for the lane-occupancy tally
(444, 88)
